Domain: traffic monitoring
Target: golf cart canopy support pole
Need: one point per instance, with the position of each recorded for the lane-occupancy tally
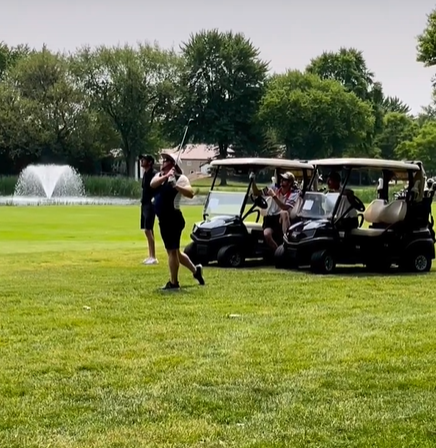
(206, 204)
(347, 178)
(306, 180)
(244, 203)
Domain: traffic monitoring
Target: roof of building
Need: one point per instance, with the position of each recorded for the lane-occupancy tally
(201, 152)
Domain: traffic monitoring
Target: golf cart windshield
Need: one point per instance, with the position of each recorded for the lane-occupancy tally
(225, 203)
(317, 205)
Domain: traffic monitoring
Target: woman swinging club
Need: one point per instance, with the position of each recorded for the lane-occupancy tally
(171, 185)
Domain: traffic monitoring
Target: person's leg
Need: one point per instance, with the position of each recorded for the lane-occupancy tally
(149, 218)
(197, 271)
(186, 262)
(149, 234)
(173, 264)
(285, 220)
(268, 235)
(173, 257)
(179, 225)
(142, 226)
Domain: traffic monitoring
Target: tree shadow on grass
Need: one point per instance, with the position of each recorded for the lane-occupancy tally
(360, 271)
(248, 265)
(341, 270)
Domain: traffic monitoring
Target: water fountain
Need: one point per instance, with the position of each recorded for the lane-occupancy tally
(56, 185)
(49, 181)
(53, 185)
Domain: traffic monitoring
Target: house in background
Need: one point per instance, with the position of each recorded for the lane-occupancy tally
(197, 158)
(194, 158)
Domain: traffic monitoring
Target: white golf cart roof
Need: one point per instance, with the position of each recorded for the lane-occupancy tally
(394, 165)
(262, 163)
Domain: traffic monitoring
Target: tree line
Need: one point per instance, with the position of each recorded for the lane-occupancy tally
(79, 107)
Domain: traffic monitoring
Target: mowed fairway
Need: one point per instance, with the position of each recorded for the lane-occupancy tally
(93, 354)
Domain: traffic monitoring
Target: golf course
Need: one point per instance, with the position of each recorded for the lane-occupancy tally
(94, 354)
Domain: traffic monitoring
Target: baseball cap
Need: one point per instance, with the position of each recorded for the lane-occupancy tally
(288, 176)
(147, 157)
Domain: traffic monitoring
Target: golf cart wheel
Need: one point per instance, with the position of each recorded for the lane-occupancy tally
(417, 262)
(191, 252)
(322, 262)
(230, 257)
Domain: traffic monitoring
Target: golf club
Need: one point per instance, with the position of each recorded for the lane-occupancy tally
(182, 143)
(172, 179)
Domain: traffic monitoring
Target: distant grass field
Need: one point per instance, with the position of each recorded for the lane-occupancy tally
(93, 354)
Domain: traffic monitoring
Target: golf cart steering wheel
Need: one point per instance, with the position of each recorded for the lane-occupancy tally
(259, 201)
(356, 203)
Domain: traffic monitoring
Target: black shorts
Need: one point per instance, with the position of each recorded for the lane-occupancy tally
(272, 222)
(147, 216)
(171, 228)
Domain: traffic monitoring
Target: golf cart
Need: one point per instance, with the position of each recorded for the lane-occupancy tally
(231, 230)
(399, 232)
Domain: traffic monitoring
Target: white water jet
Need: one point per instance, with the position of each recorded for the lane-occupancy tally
(49, 181)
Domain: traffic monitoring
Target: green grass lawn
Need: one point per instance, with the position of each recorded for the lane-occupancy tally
(93, 354)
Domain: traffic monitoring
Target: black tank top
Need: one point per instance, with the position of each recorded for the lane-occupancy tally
(164, 200)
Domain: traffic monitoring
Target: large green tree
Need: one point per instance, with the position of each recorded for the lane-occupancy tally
(19, 137)
(424, 144)
(313, 117)
(221, 85)
(347, 66)
(427, 42)
(394, 104)
(44, 110)
(397, 128)
(132, 87)
(9, 56)
(421, 147)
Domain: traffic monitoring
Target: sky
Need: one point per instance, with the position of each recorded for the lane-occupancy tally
(289, 33)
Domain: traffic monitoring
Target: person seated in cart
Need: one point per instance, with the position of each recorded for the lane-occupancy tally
(350, 220)
(283, 199)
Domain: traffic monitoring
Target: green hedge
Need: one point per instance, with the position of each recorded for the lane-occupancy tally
(7, 185)
(102, 186)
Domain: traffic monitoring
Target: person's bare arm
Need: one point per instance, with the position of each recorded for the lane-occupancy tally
(183, 186)
(283, 205)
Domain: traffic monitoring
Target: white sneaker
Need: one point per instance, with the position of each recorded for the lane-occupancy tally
(149, 261)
